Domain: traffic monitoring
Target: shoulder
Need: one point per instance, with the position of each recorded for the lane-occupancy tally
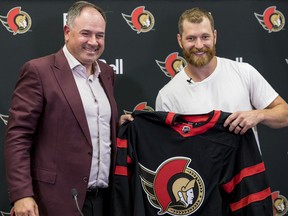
(45, 61)
(41, 60)
(235, 68)
(38, 66)
(225, 62)
(175, 83)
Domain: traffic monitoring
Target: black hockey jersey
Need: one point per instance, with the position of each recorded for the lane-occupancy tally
(171, 164)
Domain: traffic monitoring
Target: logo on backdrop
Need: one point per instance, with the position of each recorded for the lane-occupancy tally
(280, 204)
(117, 67)
(140, 20)
(140, 106)
(16, 21)
(4, 118)
(172, 65)
(271, 20)
(239, 59)
(11, 213)
(174, 188)
(64, 18)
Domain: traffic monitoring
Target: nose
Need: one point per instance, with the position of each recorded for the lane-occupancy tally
(93, 40)
(198, 43)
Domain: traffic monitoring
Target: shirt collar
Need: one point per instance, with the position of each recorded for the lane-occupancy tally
(73, 62)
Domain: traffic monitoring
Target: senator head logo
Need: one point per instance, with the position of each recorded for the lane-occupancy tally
(174, 188)
(140, 20)
(280, 204)
(16, 21)
(271, 20)
(140, 106)
(172, 65)
(11, 213)
(4, 118)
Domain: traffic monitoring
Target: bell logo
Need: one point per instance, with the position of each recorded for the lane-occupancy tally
(64, 18)
(117, 67)
(239, 59)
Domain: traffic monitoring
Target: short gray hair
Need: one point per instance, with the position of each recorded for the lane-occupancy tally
(77, 7)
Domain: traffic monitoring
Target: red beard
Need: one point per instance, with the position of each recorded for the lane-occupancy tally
(199, 61)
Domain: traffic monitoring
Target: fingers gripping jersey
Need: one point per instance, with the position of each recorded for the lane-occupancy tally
(171, 164)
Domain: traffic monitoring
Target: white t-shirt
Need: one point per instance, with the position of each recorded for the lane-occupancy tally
(233, 86)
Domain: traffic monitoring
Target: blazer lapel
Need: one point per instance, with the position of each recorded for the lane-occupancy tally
(107, 81)
(67, 83)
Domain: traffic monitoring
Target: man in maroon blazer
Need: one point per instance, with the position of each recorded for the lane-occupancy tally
(62, 125)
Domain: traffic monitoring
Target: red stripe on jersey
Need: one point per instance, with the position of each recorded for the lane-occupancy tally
(192, 126)
(129, 160)
(250, 199)
(121, 143)
(121, 170)
(249, 171)
(169, 118)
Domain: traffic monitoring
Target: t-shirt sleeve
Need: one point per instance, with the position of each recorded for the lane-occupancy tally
(262, 93)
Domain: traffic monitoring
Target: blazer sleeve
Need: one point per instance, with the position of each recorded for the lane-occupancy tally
(25, 110)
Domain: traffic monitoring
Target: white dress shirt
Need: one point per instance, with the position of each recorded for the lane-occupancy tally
(98, 114)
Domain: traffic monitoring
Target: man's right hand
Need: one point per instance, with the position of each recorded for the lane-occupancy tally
(26, 207)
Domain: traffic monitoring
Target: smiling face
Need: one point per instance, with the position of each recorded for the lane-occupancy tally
(85, 38)
(198, 42)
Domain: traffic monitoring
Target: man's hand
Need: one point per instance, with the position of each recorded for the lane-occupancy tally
(126, 117)
(26, 207)
(241, 121)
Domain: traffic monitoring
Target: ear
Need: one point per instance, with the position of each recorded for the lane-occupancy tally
(179, 40)
(66, 30)
(215, 36)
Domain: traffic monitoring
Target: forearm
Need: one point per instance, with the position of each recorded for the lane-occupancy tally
(276, 117)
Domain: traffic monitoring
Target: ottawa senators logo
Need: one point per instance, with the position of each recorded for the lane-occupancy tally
(271, 20)
(140, 106)
(4, 118)
(174, 188)
(11, 213)
(280, 204)
(172, 65)
(16, 21)
(140, 20)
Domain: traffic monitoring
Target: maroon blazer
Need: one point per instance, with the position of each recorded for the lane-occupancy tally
(48, 150)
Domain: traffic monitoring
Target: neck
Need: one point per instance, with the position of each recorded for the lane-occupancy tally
(89, 70)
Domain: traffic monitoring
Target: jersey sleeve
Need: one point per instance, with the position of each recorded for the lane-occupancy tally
(247, 189)
(127, 199)
(121, 193)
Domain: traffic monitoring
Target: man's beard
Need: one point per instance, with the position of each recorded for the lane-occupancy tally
(199, 61)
